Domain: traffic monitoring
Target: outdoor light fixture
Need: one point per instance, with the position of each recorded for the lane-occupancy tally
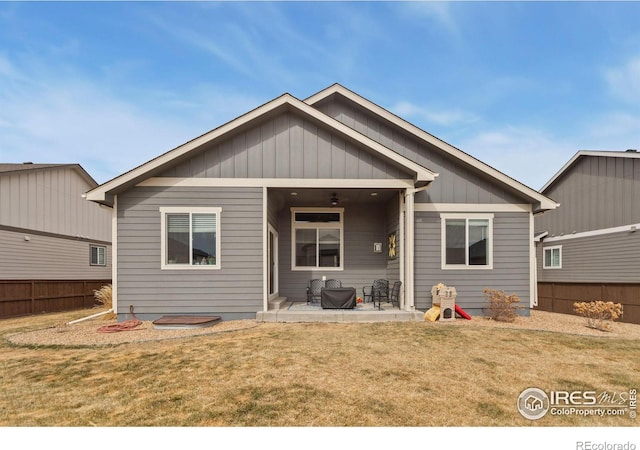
(334, 199)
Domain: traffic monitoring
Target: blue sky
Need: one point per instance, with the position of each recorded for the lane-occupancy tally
(521, 86)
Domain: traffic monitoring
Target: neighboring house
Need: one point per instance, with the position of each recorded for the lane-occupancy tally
(589, 248)
(55, 247)
(294, 190)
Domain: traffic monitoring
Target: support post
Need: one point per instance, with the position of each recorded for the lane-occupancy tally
(409, 249)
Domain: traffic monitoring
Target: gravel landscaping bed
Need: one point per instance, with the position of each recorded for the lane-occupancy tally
(86, 333)
(557, 323)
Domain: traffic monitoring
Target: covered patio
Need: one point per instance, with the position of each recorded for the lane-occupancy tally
(353, 234)
(290, 311)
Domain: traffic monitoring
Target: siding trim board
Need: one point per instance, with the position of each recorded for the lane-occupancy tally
(27, 231)
(345, 183)
(628, 228)
(471, 207)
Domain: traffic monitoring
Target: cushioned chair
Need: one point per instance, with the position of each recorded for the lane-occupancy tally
(333, 284)
(394, 294)
(314, 290)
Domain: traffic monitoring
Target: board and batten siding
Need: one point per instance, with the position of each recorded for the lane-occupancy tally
(50, 201)
(48, 258)
(510, 271)
(597, 192)
(286, 146)
(363, 225)
(455, 183)
(607, 258)
(234, 291)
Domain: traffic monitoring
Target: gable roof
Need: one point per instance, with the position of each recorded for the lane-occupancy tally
(13, 168)
(285, 102)
(337, 89)
(587, 153)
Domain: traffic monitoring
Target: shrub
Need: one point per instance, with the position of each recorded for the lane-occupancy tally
(500, 306)
(600, 315)
(104, 296)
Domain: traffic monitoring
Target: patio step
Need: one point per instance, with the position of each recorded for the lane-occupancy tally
(277, 303)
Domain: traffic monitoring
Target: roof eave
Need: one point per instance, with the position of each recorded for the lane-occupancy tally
(543, 203)
(102, 193)
(583, 153)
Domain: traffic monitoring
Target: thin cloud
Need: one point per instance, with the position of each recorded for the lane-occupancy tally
(624, 81)
(208, 43)
(526, 154)
(440, 117)
(439, 13)
(614, 131)
(79, 120)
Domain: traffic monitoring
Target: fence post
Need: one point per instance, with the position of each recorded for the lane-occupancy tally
(33, 297)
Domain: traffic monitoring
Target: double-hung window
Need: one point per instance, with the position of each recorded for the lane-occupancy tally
(317, 238)
(552, 257)
(467, 241)
(97, 255)
(190, 238)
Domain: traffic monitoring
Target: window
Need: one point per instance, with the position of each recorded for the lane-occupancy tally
(467, 241)
(190, 238)
(97, 255)
(552, 257)
(317, 238)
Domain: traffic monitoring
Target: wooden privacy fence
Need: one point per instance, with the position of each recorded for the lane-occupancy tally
(560, 297)
(26, 297)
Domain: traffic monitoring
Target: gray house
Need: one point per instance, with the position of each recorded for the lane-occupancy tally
(589, 248)
(332, 186)
(55, 248)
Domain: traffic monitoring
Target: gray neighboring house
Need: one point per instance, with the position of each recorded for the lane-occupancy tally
(55, 247)
(589, 248)
(249, 212)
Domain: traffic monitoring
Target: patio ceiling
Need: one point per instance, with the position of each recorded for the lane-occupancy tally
(322, 197)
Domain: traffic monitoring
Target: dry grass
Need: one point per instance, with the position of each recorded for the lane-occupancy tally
(386, 374)
(104, 296)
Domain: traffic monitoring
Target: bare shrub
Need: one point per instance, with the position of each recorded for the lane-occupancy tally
(104, 296)
(500, 306)
(600, 315)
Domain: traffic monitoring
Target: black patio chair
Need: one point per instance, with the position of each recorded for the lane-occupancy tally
(394, 294)
(378, 291)
(314, 289)
(332, 284)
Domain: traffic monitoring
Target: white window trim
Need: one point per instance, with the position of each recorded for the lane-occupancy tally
(544, 259)
(104, 252)
(316, 225)
(164, 210)
(443, 241)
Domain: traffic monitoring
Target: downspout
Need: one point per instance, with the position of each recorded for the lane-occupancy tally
(265, 250)
(401, 247)
(114, 256)
(102, 313)
(533, 264)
